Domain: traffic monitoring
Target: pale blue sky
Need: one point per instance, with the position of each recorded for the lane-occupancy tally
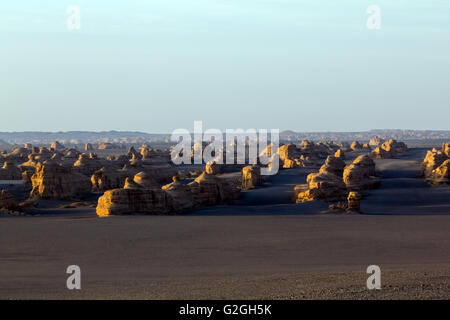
(158, 65)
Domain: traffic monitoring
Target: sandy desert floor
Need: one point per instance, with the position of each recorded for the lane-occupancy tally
(263, 246)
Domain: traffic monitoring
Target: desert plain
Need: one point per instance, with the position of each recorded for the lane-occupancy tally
(293, 235)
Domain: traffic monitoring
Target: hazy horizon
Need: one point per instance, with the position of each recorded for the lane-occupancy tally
(154, 66)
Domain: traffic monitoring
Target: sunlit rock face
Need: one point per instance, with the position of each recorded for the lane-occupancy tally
(435, 166)
(333, 165)
(390, 149)
(361, 174)
(54, 181)
(142, 195)
(322, 186)
(251, 177)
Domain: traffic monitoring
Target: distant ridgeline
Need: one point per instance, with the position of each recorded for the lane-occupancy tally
(7, 139)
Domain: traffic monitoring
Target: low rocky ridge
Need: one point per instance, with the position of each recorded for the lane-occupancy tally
(148, 198)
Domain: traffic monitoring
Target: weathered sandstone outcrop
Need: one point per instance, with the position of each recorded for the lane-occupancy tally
(54, 181)
(333, 165)
(108, 178)
(10, 171)
(213, 168)
(132, 200)
(353, 204)
(390, 149)
(376, 141)
(441, 175)
(340, 154)
(435, 166)
(356, 146)
(322, 186)
(211, 190)
(179, 196)
(251, 177)
(361, 174)
(87, 164)
(146, 181)
(172, 198)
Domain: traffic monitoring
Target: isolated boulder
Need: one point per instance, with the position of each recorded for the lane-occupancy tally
(251, 177)
(361, 174)
(433, 159)
(323, 186)
(333, 165)
(340, 154)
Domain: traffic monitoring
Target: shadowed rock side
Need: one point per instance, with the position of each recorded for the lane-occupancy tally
(436, 166)
(147, 198)
(7, 201)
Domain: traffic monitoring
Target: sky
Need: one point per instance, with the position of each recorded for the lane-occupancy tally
(158, 65)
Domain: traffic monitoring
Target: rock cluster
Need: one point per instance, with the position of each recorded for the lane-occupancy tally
(175, 197)
(353, 204)
(376, 141)
(322, 186)
(334, 180)
(390, 149)
(306, 153)
(436, 166)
